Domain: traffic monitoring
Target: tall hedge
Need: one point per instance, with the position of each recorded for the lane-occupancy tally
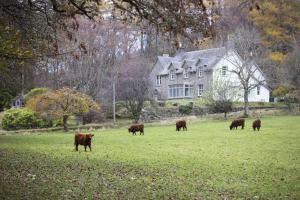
(17, 118)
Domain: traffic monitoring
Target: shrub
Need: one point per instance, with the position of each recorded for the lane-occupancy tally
(34, 92)
(5, 99)
(58, 122)
(93, 116)
(220, 107)
(16, 118)
(185, 109)
(121, 111)
(198, 110)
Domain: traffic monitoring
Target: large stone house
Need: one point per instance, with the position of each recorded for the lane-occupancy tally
(190, 74)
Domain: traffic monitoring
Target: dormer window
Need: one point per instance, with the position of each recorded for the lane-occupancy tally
(224, 70)
(185, 73)
(172, 75)
(200, 72)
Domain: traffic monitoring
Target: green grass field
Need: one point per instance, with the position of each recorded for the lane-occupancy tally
(206, 162)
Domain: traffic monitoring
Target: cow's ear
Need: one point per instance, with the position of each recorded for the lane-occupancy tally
(92, 135)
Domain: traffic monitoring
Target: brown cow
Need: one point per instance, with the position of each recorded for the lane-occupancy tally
(181, 124)
(237, 122)
(135, 128)
(256, 124)
(83, 139)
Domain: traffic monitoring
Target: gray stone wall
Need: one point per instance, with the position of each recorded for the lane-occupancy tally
(193, 79)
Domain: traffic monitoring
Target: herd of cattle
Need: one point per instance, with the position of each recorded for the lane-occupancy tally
(86, 139)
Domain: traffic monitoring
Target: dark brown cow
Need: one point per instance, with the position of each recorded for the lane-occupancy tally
(237, 122)
(83, 139)
(181, 124)
(256, 124)
(135, 128)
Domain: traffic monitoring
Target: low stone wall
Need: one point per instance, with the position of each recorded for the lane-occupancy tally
(153, 114)
(43, 130)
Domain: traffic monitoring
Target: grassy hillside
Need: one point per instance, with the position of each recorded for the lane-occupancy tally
(206, 162)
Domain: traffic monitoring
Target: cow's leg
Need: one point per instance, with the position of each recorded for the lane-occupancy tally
(84, 147)
(76, 147)
(258, 128)
(90, 147)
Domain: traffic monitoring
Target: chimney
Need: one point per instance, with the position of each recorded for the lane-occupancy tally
(229, 44)
(179, 51)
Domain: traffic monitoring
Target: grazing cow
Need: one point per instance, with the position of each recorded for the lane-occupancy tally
(181, 124)
(83, 139)
(135, 128)
(237, 122)
(256, 124)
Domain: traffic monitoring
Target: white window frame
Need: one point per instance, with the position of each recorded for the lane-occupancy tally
(188, 90)
(175, 91)
(172, 75)
(224, 70)
(185, 73)
(180, 91)
(258, 90)
(158, 80)
(200, 90)
(200, 71)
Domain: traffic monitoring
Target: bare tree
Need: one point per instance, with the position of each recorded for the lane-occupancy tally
(246, 45)
(221, 95)
(133, 85)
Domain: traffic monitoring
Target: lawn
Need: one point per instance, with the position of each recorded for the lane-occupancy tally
(206, 162)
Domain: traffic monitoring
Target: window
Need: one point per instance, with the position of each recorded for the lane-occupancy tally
(258, 90)
(172, 75)
(188, 90)
(185, 73)
(180, 91)
(158, 80)
(200, 90)
(175, 91)
(200, 72)
(224, 70)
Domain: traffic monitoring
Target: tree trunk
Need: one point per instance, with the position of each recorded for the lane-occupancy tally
(246, 103)
(65, 120)
(136, 117)
(114, 101)
(225, 115)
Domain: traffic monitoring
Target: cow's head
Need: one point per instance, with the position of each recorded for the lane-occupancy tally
(231, 126)
(88, 137)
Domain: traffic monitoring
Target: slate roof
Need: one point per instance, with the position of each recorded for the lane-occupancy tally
(208, 58)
